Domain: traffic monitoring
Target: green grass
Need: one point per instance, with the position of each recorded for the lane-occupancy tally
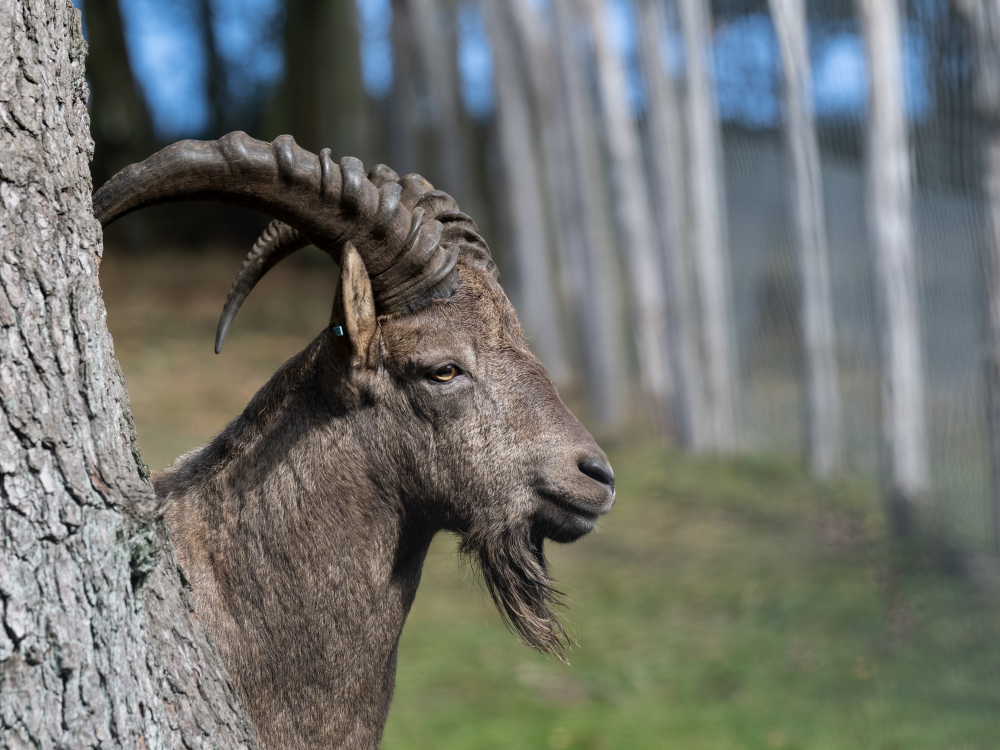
(720, 605)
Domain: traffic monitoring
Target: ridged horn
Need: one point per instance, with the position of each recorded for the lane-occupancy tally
(277, 242)
(396, 225)
(280, 240)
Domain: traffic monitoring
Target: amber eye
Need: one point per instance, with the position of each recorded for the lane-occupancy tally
(444, 374)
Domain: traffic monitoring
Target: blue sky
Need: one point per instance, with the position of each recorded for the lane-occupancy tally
(170, 65)
(375, 24)
(169, 61)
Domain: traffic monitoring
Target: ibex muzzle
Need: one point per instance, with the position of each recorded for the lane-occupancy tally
(304, 524)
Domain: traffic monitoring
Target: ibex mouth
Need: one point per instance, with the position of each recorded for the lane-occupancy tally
(573, 506)
(566, 519)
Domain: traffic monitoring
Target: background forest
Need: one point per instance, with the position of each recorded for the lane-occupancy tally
(755, 244)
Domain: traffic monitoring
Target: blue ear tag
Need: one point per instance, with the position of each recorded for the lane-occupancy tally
(337, 330)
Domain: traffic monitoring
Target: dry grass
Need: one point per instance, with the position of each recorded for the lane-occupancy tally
(162, 311)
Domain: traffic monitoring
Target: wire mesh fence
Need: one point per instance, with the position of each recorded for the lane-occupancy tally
(948, 229)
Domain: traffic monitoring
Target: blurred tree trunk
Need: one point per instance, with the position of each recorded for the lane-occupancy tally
(122, 130)
(666, 140)
(434, 33)
(402, 129)
(630, 194)
(984, 19)
(822, 412)
(890, 227)
(534, 293)
(216, 89)
(98, 646)
(322, 100)
(539, 66)
(295, 109)
(708, 227)
(588, 236)
(343, 104)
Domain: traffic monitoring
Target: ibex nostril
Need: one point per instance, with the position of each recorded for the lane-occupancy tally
(597, 469)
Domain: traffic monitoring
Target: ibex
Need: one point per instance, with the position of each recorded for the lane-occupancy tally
(303, 526)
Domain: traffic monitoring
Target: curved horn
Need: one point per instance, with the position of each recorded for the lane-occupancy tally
(280, 240)
(277, 242)
(326, 202)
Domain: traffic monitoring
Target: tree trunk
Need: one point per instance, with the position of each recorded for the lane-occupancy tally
(666, 140)
(434, 33)
(342, 102)
(98, 646)
(588, 240)
(402, 130)
(122, 130)
(534, 292)
(822, 412)
(708, 228)
(295, 108)
(539, 67)
(322, 99)
(568, 231)
(984, 19)
(630, 195)
(992, 358)
(216, 84)
(890, 228)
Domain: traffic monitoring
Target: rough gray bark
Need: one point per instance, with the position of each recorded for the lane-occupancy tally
(708, 228)
(891, 229)
(822, 412)
(630, 194)
(534, 293)
(98, 648)
(984, 19)
(588, 239)
(666, 140)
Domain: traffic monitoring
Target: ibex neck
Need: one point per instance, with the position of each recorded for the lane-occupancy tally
(301, 572)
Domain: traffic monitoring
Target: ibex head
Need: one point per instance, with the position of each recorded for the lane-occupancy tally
(453, 423)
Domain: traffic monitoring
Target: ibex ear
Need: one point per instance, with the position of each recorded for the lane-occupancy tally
(358, 306)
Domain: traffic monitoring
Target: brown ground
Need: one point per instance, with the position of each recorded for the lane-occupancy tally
(162, 312)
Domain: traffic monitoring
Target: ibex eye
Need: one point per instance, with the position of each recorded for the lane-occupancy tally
(444, 374)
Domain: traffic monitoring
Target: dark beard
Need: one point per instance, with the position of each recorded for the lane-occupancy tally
(517, 578)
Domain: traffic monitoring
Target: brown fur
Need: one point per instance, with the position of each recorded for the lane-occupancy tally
(303, 526)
